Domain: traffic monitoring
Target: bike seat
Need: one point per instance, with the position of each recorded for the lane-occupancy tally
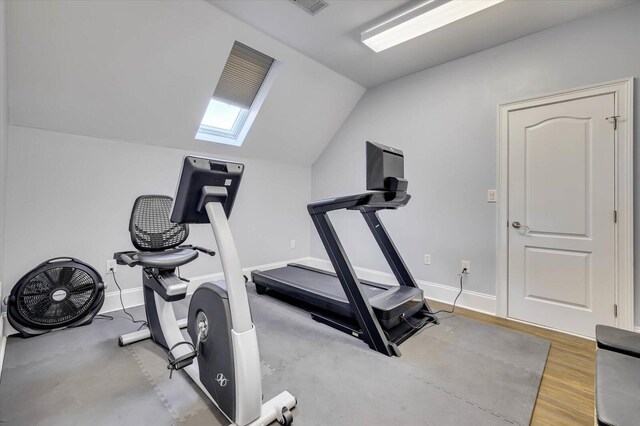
(167, 259)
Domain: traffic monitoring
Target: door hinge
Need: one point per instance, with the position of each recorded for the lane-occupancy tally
(615, 310)
(615, 216)
(613, 119)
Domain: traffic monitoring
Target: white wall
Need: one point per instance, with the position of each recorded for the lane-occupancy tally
(444, 119)
(105, 99)
(71, 195)
(144, 71)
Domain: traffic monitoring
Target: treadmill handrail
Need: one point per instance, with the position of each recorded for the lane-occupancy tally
(374, 200)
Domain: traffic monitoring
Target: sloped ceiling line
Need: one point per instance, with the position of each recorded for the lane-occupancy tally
(144, 72)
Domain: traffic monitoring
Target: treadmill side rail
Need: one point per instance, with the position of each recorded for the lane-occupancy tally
(373, 334)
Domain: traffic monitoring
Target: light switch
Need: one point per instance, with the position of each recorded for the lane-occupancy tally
(491, 196)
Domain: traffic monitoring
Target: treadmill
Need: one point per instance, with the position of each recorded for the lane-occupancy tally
(381, 315)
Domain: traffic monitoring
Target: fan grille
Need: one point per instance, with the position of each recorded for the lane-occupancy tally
(57, 295)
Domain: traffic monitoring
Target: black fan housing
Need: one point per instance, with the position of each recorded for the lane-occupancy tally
(59, 293)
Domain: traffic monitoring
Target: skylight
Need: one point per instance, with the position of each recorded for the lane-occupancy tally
(242, 87)
(220, 115)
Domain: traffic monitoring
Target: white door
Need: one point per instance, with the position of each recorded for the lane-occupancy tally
(561, 214)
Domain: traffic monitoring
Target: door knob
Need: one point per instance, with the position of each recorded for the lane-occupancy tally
(518, 225)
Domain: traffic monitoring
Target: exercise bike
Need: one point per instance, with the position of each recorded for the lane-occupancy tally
(222, 357)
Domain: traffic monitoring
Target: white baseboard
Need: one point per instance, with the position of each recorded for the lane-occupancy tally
(637, 329)
(133, 297)
(3, 346)
(472, 300)
(130, 297)
(7, 329)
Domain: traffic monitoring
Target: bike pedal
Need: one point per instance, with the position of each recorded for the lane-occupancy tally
(180, 362)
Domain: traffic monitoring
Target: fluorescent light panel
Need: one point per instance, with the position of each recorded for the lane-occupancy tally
(421, 19)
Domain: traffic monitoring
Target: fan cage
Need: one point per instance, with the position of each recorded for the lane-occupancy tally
(57, 296)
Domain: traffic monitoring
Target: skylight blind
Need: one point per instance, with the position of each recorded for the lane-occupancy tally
(242, 76)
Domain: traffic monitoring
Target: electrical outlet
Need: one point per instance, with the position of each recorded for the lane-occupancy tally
(465, 264)
(492, 196)
(112, 266)
(427, 259)
(293, 244)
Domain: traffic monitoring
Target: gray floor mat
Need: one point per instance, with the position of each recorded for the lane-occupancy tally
(180, 396)
(441, 378)
(361, 387)
(498, 343)
(21, 352)
(98, 385)
(461, 372)
(503, 389)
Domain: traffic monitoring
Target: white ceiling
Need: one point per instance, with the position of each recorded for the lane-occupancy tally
(144, 71)
(332, 37)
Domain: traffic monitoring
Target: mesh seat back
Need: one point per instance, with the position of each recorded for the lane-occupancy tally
(150, 227)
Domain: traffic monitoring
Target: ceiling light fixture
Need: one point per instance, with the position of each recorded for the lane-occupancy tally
(420, 19)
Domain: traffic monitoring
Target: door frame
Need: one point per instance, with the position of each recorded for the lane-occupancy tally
(623, 90)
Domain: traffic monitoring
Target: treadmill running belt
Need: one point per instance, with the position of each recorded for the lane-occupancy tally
(323, 290)
(318, 283)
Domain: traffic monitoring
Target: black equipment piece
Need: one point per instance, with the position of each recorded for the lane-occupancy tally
(385, 168)
(189, 207)
(618, 340)
(157, 238)
(381, 315)
(59, 293)
(150, 228)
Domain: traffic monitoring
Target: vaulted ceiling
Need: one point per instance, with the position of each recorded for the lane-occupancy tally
(144, 71)
(332, 36)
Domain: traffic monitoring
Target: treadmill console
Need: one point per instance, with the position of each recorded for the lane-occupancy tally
(385, 168)
(201, 180)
